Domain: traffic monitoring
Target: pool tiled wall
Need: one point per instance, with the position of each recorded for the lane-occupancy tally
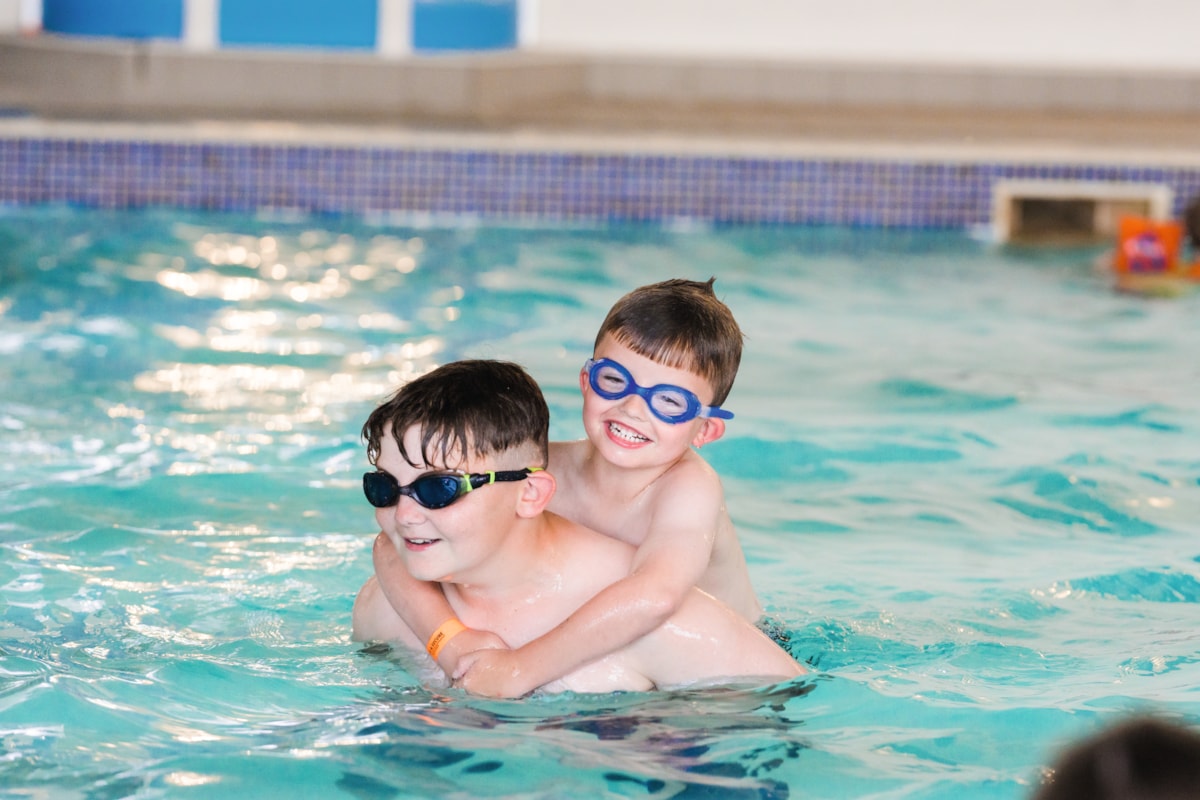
(552, 184)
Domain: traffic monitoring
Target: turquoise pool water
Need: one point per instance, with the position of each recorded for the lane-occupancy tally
(967, 480)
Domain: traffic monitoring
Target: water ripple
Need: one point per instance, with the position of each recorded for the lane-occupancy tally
(1072, 499)
(1156, 586)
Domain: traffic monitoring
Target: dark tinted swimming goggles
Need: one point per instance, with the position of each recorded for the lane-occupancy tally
(433, 489)
(670, 403)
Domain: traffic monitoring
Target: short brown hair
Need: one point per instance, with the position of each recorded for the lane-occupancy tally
(464, 409)
(1144, 757)
(680, 323)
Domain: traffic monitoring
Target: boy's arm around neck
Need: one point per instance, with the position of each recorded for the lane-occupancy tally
(423, 606)
(669, 562)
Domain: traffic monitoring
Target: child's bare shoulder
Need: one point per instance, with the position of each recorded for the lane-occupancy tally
(566, 461)
(690, 490)
(690, 473)
(565, 456)
(571, 497)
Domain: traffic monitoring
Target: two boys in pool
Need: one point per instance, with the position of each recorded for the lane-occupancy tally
(635, 479)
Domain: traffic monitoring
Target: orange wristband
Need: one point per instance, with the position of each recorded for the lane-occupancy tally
(445, 632)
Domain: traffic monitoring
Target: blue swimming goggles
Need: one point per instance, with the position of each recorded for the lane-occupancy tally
(433, 489)
(672, 404)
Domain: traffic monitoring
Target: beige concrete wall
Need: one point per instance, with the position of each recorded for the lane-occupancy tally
(119, 79)
(70, 77)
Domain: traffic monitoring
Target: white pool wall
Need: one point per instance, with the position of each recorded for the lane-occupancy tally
(1071, 34)
(1152, 34)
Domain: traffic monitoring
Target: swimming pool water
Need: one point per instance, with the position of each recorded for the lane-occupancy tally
(966, 479)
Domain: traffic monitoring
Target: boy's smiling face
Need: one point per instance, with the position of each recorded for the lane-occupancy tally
(444, 544)
(625, 431)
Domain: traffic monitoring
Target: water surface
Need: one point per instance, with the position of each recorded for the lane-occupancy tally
(966, 479)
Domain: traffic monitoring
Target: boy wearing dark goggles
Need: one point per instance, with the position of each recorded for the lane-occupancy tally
(663, 363)
(471, 526)
(436, 489)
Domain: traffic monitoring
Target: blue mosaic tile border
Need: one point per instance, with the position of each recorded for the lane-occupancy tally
(548, 185)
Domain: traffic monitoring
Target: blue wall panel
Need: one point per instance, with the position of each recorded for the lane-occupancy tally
(464, 24)
(128, 19)
(346, 24)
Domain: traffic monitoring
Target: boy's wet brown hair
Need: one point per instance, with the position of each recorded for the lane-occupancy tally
(680, 323)
(471, 408)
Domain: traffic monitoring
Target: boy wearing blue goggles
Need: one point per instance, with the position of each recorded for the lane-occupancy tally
(663, 363)
(670, 403)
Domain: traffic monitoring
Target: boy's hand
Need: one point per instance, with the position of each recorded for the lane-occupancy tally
(466, 643)
(492, 673)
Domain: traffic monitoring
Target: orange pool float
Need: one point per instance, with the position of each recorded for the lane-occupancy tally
(1147, 258)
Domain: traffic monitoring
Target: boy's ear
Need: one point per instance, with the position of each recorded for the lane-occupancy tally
(583, 381)
(536, 491)
(710, 430)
